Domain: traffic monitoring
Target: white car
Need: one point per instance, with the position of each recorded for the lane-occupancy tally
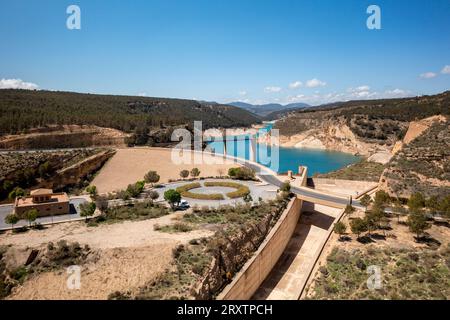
(184, 204)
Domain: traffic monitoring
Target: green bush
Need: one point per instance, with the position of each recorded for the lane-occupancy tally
(241, 173)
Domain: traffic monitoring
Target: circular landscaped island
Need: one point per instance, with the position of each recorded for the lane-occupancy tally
(214, 190)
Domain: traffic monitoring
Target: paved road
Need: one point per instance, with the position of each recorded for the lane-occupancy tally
(269, 177)
(74, 215)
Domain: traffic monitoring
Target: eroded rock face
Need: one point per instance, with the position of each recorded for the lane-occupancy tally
(74, 174)
(423, 162)
(334, 135)
(67, 136)
(230, 258)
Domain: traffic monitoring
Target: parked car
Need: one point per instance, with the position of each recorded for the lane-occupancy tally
(183, 205)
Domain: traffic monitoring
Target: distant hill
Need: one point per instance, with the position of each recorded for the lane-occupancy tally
(265, 109)
(24, 109)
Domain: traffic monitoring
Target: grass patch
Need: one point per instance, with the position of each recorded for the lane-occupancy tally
(363, 170)
(174, 228)
(189, 265)
(184, 191)
(201, 196)
(241, 191)
(405, 273)
(134, 211)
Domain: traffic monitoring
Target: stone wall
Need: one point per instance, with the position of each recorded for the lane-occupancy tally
(255, 271)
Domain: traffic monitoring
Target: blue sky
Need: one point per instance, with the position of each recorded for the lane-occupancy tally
(255, 51)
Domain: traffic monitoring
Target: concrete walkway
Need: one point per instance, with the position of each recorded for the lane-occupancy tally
(290, 274)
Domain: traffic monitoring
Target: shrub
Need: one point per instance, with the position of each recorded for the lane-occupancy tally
(241, 173)
(151, 177)
(102, 203)
(416, 201)
(366, 200)
(339, 228)
(17, 192)
(195, 172)
(286, 187)
(134, 190)
(174, 228)
(11, 219)
(381, 198)
(92, 190)
(184, 174)
(417, 223)
(358, 226)
(349, 209)
(153, 195)
(87, 209)
(173, 197)
(31, 215)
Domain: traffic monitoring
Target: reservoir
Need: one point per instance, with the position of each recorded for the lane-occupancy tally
(289, 158)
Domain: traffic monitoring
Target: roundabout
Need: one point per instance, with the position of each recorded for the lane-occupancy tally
(217, 192)
(214, 190)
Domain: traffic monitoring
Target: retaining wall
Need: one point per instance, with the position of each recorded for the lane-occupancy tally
(255, 271)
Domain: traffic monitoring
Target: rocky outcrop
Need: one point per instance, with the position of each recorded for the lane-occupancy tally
(66, 136)
(415, 129)
(333, 135)
(75, 174)
(232, 253)
(422, 164)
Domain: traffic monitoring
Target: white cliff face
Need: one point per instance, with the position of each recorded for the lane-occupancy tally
(334, 136)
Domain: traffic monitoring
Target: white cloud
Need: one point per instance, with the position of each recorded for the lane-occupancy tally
(142, 94)
(428, 75)
(17, 84)
(297, 98)
(363, 88)
(357, 93)
(272, 89)
(396, 93)
(243, 93)
(313, 83)
(295, 85)
(361, 92)
(446, 69)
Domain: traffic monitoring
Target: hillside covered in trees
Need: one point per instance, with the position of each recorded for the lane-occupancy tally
(374, 121)
(24, 109)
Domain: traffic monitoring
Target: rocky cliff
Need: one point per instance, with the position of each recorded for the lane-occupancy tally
(75, 174)
(66, 136)
(332, 134)
(422, 161)
(360, 127)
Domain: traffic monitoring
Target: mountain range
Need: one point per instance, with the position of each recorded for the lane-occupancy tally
(265, 109)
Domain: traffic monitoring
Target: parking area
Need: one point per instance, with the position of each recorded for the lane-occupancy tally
(74, 215)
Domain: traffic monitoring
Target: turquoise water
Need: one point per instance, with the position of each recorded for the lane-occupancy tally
(317, 161)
